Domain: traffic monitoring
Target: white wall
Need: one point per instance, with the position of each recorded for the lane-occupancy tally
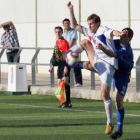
(113, 13)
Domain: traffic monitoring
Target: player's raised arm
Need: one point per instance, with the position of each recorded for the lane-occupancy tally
(73, 21)
(118, 33)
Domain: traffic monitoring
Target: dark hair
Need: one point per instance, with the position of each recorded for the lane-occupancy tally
(6, 27)
(95, 18)
(66, 19)
(58, 27)
(130, 32)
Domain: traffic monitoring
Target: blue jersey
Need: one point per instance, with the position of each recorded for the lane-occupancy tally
(125, 57)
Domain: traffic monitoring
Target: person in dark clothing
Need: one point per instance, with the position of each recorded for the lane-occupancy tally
(62, 71)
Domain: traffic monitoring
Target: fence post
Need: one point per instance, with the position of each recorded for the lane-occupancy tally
(92, 81)
(33, 66)
(52, 76)
(138, 75)
(1, 53)
(72, 78)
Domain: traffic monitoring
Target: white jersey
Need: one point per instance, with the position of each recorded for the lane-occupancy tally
(103, 36)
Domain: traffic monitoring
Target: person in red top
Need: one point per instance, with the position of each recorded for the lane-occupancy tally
(62, 44)
(62, 71)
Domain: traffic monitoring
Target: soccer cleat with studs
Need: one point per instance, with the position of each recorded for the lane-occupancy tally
(109, 129)
(116, 135)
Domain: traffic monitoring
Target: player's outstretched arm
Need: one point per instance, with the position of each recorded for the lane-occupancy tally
(118, 33)
(106, 51)
(73, 21)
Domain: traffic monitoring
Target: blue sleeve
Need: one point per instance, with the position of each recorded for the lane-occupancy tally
(124, 51)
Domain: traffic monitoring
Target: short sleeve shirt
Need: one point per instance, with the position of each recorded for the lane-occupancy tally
(63, 45)
(72, 34)
(103, 37)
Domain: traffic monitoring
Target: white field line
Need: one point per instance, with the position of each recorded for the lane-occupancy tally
(69, 109)
(56, 116)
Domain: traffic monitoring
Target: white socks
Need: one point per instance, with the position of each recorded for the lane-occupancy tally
(109, 111)
(76, 49)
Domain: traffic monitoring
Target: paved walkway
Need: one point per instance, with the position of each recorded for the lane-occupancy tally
(43, 87)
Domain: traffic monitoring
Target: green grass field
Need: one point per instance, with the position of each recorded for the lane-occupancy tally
(36, 117)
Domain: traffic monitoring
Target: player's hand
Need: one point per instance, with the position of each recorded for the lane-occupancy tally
(124, 32)
(99, 46)
(70, 6)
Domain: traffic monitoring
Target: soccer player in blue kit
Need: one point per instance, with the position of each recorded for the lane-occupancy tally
(121, 78)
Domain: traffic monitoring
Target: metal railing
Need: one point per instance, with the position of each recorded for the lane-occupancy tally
(33, 64)
(137, 67)
(52, 82)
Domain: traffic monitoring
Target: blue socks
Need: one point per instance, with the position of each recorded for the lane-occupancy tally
(78, 66)
(120, 117)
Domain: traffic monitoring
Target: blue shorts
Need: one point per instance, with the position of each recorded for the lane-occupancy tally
(121, 81)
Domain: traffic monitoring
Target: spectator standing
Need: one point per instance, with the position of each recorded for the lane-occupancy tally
(9, 40)
(70, 35)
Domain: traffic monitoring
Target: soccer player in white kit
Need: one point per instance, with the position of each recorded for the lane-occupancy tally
(104, 65)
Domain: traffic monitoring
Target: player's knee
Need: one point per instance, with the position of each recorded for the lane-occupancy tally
(105, 96)
(85, 43)
(119, 105)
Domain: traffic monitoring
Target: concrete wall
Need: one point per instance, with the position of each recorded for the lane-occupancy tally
(50, 13)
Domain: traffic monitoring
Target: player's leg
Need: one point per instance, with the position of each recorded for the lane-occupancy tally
(121, 83)
(119, 100)
(105, 92)
(120, 112)
(84, 45)
(106, 72)
(81, 65)
(87, 65)
(87, 46)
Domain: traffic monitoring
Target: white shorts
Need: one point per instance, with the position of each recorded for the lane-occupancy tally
(105, 70)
